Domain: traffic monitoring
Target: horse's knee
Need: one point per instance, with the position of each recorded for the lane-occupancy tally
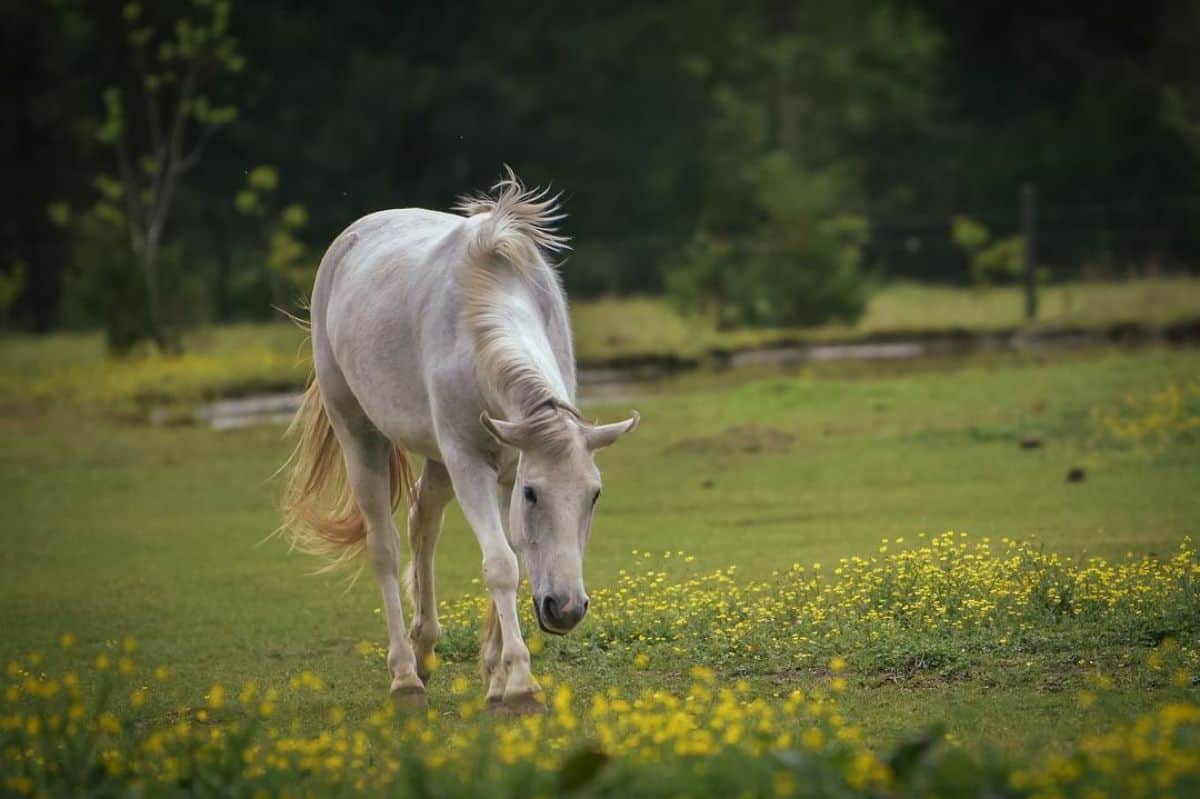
(500, 571)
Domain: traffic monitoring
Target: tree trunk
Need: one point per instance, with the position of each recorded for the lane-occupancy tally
(164, 337)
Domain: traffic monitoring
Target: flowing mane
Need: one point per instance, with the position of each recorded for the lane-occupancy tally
(512, 295)
(519, 216)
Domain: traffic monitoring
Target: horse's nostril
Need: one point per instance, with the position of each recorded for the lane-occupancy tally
(549, 609)
(586, 604)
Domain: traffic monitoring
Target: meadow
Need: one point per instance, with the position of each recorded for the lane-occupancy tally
(794, 577)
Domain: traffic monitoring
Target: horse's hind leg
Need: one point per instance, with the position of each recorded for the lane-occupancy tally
(434, 492)
(368, 453)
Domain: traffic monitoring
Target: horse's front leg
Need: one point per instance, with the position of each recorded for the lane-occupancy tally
(510, 683)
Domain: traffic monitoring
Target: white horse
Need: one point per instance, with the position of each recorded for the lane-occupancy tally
(448, 336)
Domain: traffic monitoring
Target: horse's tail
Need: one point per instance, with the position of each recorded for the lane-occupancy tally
(320, 516)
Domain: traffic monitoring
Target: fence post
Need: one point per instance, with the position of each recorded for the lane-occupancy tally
(1029, 234)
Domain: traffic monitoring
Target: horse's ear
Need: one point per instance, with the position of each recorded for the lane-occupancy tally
(508, 433)
(602, 435)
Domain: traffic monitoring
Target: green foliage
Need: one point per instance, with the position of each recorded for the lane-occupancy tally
(105, 286)
(989, 259)
(290, 268)
(655, 119)
(791, 254)
(782, 226)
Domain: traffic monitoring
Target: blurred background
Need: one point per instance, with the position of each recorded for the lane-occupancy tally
(755, 164)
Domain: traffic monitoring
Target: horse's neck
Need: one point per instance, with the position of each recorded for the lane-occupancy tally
(519, 353)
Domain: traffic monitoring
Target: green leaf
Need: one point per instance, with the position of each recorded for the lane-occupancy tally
(109, 188)
(59, 213)
(968, 234)
(294, 217)
(263, 178)
(246, 202)
(114, 116)
(222, 116)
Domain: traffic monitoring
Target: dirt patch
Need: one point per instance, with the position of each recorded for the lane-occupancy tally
(748, 439)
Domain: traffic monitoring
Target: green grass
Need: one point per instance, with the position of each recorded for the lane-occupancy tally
(240, 359)
(112, 528)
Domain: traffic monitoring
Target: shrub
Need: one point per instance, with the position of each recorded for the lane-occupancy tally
(798, 263)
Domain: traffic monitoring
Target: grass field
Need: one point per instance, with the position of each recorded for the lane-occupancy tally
(786, 531)
(113, 528)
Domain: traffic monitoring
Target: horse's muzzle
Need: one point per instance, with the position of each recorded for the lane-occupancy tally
(559, 615)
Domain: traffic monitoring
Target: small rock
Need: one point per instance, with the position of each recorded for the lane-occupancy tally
(1031, 442)
(1076, 474)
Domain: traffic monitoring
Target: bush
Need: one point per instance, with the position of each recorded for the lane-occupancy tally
(799, 262)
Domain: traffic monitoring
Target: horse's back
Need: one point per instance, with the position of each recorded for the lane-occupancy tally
(380, 282)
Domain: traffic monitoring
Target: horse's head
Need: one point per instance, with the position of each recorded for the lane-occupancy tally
(553, 498)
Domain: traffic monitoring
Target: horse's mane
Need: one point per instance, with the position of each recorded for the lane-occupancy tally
(518, 225)
(518, 215)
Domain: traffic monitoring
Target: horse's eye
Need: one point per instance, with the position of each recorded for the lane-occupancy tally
(595, 497)
(530, 495)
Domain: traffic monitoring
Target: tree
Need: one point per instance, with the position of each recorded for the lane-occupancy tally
(800, 97)
(157, 123)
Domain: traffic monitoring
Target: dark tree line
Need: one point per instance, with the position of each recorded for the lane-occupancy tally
(694, 140)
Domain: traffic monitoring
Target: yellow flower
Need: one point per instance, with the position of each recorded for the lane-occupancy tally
(216, 697)
(66, 640)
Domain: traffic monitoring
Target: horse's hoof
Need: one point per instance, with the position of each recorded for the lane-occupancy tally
(409, 697)
(526, 704)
